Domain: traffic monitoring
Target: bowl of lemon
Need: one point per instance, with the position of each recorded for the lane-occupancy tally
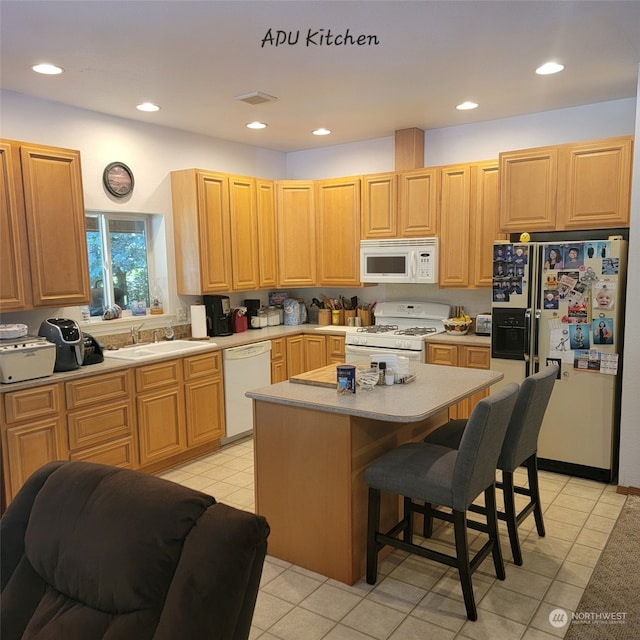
(459, 325)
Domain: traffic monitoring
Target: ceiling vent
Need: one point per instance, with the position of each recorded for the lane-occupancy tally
(256, 97)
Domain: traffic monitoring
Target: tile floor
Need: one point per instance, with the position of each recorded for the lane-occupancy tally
(415, 598)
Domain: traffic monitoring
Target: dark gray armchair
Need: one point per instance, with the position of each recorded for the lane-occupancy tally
(95, 552)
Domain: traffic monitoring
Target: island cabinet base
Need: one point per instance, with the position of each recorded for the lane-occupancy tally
(309, 480)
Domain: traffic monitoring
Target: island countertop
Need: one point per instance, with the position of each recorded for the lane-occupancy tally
(435, 388)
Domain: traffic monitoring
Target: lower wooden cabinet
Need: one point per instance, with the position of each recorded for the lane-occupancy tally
(471, 357)
(278, 360)
(305, 353)
(335, 349)
(32, 434)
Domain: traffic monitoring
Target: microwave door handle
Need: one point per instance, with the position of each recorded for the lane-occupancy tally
(414, 264)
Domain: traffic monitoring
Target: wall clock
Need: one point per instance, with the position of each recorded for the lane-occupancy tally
(118, 179)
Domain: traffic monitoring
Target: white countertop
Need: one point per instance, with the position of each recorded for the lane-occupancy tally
(435, 388)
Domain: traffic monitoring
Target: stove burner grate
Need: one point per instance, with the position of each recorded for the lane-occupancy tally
(416, 331)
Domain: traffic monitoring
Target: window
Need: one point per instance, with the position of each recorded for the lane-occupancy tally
(118, 260)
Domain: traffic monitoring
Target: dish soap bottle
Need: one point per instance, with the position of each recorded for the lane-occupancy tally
(156, 300)
(168, 332)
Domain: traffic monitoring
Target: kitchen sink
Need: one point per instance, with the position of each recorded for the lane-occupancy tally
(156, 349)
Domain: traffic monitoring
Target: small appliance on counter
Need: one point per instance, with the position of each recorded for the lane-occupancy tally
(253, 306)
(67, 337)
(24, 357)
(219, 316)
(240, 320)
(92, 351)
(483, 324)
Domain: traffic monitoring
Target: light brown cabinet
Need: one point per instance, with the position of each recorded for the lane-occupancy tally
(101, 423)
(278, 360)
(418, 203)
(296, 215)
(452, 355)
(204, 399)
(243, 216)
(582, 185)
(468, 224)
(379, 206)
(267, 233)
(41, 210)
(160, 411)
(202, 231)
(305, 353)
(32, 433)
(338, 232)
(335, 349)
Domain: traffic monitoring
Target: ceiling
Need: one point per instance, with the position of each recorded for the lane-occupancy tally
(193, 57)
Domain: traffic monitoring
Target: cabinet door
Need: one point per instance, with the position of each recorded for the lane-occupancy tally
(338, 232)
(267, 233)
(418, 203)
(278, 360)
(296, 234)
(444, 354)
(472, 358)
(315, 352)
(455, 189)
(54, 208)
(161, 425)
(379, 206)
(335, 349)
(484, 222)
(15, 283)
(204, 411)
(214, 240)
(244, 233)
(594, 184)
(30, 446)
(295, 356)
(528, 190)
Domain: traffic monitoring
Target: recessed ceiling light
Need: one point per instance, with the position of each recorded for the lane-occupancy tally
(548, 68)
(321, 132)
(465, 106)
(148, 106)
(47, 69)
(256, 125)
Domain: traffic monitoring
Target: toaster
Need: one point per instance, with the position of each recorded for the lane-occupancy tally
(483, 324)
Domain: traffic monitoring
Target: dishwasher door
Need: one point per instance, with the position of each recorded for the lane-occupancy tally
(244, 368)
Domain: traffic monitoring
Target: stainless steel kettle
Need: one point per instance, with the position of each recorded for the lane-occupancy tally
(67, 337)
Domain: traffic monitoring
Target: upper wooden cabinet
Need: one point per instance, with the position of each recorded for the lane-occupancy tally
(468, 224)
(296, 233)
(267, 233)
(418, 203)
(244, 233)
(43, 247)
(573, 186)
(379, 206)
(338, 232)
(202, 231)
(594, 184)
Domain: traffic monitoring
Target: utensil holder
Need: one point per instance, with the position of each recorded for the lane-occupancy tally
(365, 317)
(324, 317)
(337, 317)
(349, 313)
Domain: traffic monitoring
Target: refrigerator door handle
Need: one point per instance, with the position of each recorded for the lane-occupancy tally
(527, 335)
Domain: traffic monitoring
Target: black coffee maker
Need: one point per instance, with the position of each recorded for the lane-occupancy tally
(253, 305)
(219, 316)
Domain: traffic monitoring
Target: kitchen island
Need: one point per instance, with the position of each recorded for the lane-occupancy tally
(312, 446)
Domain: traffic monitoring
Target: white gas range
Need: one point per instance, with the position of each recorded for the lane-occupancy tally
(400, 329)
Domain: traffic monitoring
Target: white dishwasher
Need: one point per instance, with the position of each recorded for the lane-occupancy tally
(244, 368)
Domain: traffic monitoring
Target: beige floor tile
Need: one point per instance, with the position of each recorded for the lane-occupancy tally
(300, 623)
(582, 554)
(397, 594)
(611, 497)
(490, 626)
(541, 620)
(567, 516)
(574, 573)
(564, 595)
(548, 545)
(572, 502)
(600, 523)
(419, 572)
(374, 619)
(442, 611)
(342, 632)
(199, 483)
(583, 491)
(607, 510)
(416, 629)
(330, 602)
(592, 538)
(269, 609)
(526, 582)
(292, 586)
(240, 479)
(540, 563)
(217, 472)
(509, 604)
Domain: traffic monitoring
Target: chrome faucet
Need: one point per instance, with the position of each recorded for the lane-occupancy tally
(135, 333)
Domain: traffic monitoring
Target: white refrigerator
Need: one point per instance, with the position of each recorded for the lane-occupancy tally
(563, 301)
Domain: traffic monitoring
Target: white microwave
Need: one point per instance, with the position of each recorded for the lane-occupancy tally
(399, 260)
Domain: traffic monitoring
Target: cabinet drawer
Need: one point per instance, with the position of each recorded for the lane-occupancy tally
(208, 364)
(97, 389)
(445, 354)
(120, 453)
(30, 404)
(278, 349)
(156, 376)
(94, 426)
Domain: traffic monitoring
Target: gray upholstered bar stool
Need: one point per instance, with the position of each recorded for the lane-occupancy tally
(519, 449)
(452, 478)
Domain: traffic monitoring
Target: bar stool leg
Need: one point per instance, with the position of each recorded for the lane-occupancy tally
(534, 488)
(464, 567)
(494, 536)
(510, 515)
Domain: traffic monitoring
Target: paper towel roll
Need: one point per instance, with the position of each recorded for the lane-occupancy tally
(198, 321)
